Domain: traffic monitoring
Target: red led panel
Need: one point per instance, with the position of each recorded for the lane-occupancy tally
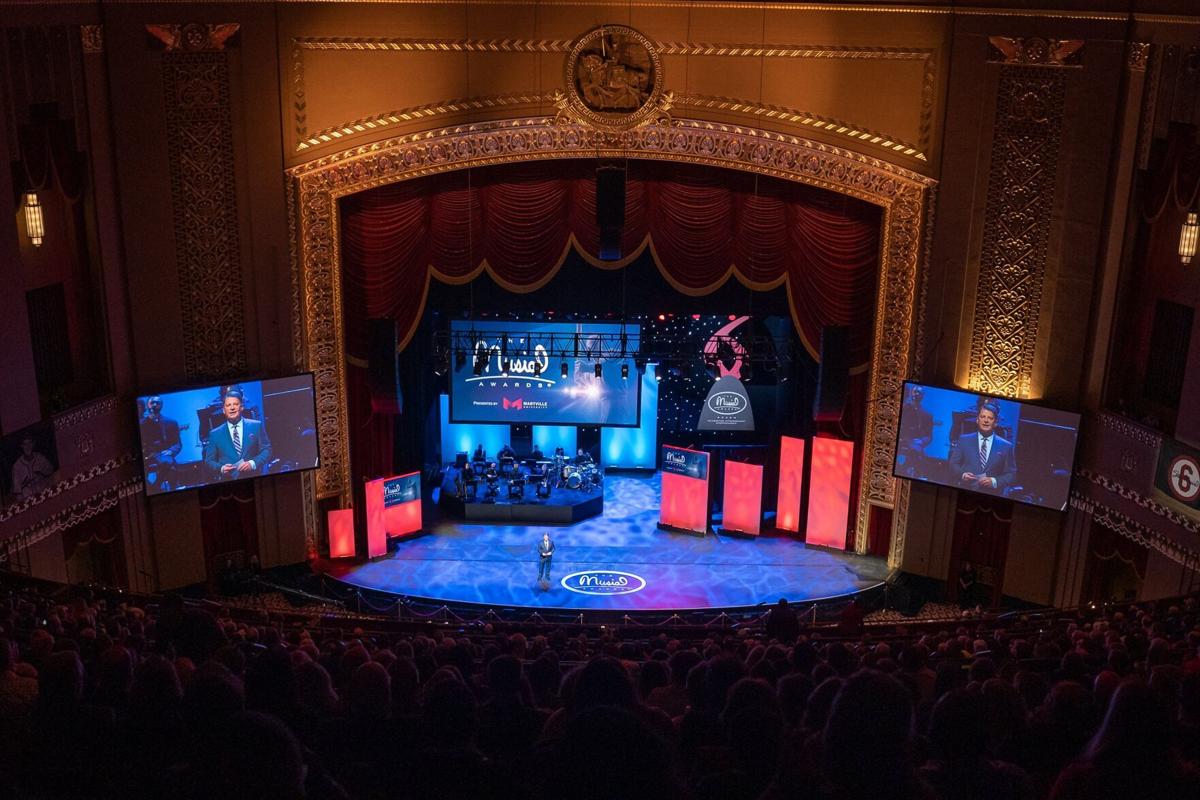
(829, 492)
(376, 529)
(341, 533)
(685, 499)
(742, 507)
(791, 480)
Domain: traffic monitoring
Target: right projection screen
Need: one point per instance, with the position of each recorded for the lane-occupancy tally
(989, 445)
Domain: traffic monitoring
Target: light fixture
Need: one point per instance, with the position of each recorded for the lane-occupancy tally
(625, 371)
(1188, 235)
(563, 369)
(35, 224)
(658, 370)
(598, 370)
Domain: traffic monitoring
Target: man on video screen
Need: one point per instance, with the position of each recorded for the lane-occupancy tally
(160, 442)
(238, 447)
(982, 461)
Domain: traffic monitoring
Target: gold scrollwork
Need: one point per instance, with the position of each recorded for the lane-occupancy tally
(317, 185)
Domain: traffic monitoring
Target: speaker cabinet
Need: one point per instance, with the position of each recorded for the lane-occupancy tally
(834, 376)
(610, 210)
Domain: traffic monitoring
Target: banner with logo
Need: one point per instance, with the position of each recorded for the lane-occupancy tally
(727, 407)
(684, 490)
(544, 373)
(393, 509)
(1178, 475)
(681, 461)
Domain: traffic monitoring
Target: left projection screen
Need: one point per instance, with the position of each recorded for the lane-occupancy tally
(544, 373)
(227, 432)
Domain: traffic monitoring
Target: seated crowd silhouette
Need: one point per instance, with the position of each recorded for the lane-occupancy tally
(107, 699)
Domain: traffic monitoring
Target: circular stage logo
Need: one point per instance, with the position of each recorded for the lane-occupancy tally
(1184, 478)
(603, 582)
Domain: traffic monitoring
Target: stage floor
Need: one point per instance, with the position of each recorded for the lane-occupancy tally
(496, 565)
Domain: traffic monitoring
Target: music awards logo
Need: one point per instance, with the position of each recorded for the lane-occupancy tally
(511, 364)
(603, 582)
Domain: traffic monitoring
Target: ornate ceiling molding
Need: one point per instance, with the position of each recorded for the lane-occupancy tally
(317, 185)
(305, 139)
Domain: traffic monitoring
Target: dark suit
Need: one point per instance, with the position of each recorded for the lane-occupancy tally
(1001, 464)
(160, 438)
(545, 556)
(256, 447)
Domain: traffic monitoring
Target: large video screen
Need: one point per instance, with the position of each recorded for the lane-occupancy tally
(235, 431)
(986, 444)
(544, 373)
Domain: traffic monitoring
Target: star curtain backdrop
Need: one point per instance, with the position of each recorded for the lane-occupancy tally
(519, 221)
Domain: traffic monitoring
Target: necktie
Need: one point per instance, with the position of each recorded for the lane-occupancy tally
(237, 441)
(983, 451)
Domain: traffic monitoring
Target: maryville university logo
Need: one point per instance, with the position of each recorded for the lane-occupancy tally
(515, 405)
(1183, 477)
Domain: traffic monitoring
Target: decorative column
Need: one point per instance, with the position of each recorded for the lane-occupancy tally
(199, 116)
(1018, 217)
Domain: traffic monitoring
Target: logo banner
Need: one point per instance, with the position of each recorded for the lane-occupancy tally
(727, 407)
(689, 463)
(1178, 475)
(404, 489)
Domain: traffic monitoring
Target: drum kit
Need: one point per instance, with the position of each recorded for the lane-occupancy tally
(560, 472)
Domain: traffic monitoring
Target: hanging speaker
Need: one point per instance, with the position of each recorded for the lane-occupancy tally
(834, 374)
(610, 210)
(383, 368)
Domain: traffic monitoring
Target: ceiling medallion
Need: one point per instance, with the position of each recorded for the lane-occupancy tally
(614, 81)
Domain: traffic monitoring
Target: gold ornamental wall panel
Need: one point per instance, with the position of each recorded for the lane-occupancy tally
(871, 86)
(315, 188)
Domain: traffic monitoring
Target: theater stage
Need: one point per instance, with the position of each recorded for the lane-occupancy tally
(496, 565)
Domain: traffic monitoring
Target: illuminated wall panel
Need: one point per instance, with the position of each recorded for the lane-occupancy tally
(829, 492)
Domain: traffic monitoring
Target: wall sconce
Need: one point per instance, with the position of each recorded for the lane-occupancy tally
(35, 224)
(1188, 235)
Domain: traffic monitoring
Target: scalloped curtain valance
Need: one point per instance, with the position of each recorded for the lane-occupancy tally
(702, 225)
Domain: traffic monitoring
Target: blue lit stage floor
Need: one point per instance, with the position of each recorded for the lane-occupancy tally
(496, 565)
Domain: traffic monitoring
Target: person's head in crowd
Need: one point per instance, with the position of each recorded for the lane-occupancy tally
(1136, 731)
(369, 694)
(603, 681)
(449, 710)
(504, 677)
(866, 747)
(958, 727)
(820, 702)
(256, 756)
(651, 676)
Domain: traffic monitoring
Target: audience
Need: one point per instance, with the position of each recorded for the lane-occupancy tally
(103, 699)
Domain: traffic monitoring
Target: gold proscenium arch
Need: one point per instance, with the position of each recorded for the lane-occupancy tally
(904, 196)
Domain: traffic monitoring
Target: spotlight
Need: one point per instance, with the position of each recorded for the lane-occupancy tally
(482, 356)
(658, 372)
(625, 371)
(563, 369)
(598, 370)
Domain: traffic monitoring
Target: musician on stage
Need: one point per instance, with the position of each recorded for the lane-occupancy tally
(506, 452)
(545, 556)
(480, 454)
(583, 457)
(537, 455)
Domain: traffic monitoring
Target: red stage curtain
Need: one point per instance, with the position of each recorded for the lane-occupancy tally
(702, 224)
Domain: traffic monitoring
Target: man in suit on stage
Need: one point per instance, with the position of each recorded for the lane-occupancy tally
(545, 556)
(982, 461)
(239, 447)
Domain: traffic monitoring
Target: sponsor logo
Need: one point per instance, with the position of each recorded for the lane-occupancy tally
(675, 459)
(726, 403)
(1183, 477)
(516, 405)
(603, 582)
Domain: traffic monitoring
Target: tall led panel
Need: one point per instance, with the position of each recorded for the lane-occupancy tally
(742, 503)
(791, 483)
(684, 490)
(634, 448)
(829, 492)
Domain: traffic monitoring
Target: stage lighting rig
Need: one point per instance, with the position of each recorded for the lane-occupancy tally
(563, 369)
(625, 370)
(599, 370)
